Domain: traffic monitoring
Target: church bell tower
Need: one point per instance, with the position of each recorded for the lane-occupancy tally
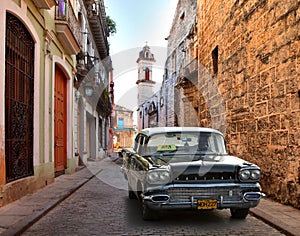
(145, 83)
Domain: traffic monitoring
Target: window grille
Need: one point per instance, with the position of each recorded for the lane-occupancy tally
(19, 85)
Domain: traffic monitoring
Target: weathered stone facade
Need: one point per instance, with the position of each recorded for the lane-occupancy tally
(124, 129)
(182, 51)
(250, 50)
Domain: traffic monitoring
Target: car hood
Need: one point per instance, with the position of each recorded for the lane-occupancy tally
(209, 166)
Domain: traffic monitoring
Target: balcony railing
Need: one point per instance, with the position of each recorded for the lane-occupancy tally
(67, 27)
(84, 64)
(84, 61)
(124, 128)
(191, 67)
(188, 74)
(97, 22)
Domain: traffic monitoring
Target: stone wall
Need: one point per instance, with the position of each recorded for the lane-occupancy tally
(256, 46)
(178, 56)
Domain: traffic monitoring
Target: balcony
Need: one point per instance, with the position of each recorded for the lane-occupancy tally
(44, 4)
(124, 128)
(67, 27)
(191, 67)
(104, 105)
(188, 74)
(97, 22)
(84, 65)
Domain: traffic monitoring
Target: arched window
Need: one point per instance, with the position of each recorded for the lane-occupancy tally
(19, 84)
(147, 74)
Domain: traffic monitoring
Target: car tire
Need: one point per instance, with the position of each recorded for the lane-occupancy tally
(239, 213)
(131, 194)
(149, 214)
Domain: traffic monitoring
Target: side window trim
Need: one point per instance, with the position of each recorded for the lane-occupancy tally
(140, 143)
(136, 143)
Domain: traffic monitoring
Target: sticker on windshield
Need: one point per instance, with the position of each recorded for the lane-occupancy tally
(170, 147)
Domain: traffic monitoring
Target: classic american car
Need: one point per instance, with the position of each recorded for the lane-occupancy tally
(188, 168)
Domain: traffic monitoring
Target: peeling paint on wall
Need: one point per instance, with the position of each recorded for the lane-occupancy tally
(2, 156)
(1, 138)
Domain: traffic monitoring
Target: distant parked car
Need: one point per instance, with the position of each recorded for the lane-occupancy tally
(188, 168)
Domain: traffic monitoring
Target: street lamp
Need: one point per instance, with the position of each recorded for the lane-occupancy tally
(88, 89)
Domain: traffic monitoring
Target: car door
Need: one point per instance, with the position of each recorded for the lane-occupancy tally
(136, 167)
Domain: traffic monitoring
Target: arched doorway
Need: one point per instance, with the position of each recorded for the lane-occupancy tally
(60, 121)
(19, 101)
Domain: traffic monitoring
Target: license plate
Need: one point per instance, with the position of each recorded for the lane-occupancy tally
(207, 204)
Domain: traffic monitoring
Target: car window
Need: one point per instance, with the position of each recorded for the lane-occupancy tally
(186, 142)
(140, 144)
(211, 142)
(137, 142)
(178, 139)
(135, 145)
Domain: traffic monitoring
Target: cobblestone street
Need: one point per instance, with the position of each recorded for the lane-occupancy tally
(99, 208)
(190, 106)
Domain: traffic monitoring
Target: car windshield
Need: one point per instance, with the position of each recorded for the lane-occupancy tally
(185, 143)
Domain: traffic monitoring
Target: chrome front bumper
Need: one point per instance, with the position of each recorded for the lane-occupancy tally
(185, 196)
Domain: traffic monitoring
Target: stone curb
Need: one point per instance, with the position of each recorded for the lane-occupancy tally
(274, 216)
(273, 222)
(19, 227)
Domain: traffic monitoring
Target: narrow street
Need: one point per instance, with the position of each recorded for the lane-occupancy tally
(81, 79)
(101, 207)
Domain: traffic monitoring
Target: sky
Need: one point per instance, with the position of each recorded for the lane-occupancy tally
(138, 22)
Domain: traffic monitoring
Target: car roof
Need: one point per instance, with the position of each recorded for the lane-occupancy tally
(158, 130)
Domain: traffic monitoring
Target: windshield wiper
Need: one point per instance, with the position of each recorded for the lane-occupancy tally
(159, 157)
(200, 152)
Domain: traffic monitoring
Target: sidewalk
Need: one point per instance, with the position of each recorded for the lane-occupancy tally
(16, 217)
(282, 217)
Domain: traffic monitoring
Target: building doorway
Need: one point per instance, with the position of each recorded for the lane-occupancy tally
(60, 122)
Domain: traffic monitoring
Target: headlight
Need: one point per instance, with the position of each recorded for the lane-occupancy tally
(158, 177)
(249, 174)
(165, 176)
(153, 177)
(244, 174)
(255, 174)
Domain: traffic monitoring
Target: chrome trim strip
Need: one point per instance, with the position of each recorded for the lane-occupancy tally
(150, 198)
(212, 185)
(259, 194)
(221, 200)
(224, 203)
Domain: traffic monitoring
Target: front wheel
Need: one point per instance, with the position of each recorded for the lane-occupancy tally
(149, 214)
(131, 193)
(239, 213)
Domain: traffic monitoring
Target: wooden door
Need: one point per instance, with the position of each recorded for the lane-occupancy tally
(60, 122)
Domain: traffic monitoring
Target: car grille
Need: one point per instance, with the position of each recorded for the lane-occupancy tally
(185, 194)
(206, 177)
